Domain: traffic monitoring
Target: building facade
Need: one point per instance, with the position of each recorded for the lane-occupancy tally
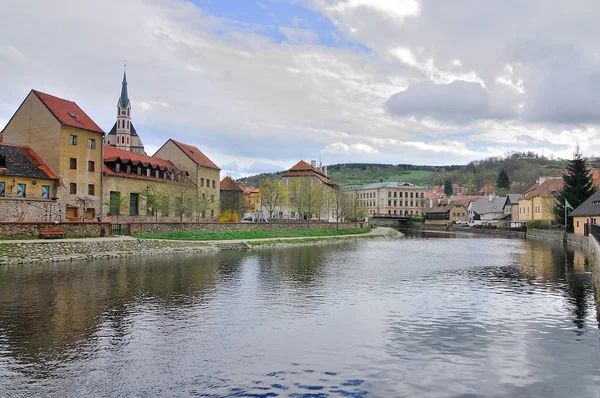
(202, 171)
(309, 176)
(392, 198)
(70, 143)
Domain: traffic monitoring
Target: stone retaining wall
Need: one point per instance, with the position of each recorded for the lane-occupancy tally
(56, 250)
(32, 229)
(143, 228)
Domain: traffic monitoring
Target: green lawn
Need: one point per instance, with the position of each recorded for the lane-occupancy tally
(252, 234)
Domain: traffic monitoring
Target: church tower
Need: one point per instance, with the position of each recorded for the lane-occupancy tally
(123, 132)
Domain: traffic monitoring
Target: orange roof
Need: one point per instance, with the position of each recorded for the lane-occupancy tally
(546, 189)
(303, 169)
(196, 155)
(250, 190)
(227, 184)
(67, 112)
(111, 154)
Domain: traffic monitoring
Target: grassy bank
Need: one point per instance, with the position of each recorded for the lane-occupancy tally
(253, 234)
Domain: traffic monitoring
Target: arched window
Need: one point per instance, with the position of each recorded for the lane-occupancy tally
(127, 111)
(128, 125)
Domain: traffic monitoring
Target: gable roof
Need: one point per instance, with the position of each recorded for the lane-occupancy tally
(486, 206)
(547, 188)
(23, 161)
(590, 207)
(227, 184)
(303, 169)
(195, 154)
(67, 112)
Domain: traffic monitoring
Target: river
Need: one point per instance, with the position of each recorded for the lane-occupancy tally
(443, 315)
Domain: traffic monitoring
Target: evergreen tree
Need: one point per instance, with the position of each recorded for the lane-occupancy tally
(578, 186)
(448, 187)
(503, 181)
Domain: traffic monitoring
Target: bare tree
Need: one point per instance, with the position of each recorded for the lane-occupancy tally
(308, 198)
(340, 201)
(272, 194)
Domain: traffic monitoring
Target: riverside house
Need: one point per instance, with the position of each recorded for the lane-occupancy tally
(400, 198)
(587, 213)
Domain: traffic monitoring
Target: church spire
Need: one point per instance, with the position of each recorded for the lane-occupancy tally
(124, 100)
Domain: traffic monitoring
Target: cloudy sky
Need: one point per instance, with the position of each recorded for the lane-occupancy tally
(259, 85)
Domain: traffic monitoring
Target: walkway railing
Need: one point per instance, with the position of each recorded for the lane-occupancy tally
(595, 231)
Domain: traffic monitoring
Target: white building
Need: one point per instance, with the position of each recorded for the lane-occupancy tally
(400, 198)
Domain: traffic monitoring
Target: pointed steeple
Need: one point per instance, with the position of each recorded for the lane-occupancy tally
(124, 100)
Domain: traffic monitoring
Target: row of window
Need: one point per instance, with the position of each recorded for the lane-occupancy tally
(73, 189)
(406, 212)
(91, 141)
(22, 190)
(122, 123)
(122, 140)
(214, 183)
(459, 214)
(396, 194)
(73, 164)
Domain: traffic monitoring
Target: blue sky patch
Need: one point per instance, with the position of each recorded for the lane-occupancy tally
(274, 15)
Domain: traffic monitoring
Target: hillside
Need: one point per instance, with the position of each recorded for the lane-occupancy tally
(523, 169)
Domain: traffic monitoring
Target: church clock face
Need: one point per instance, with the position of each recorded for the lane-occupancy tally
(122, 112)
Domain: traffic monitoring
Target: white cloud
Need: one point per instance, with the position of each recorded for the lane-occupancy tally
(399, 9)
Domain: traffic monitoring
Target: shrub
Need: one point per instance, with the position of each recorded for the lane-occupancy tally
(539, 224)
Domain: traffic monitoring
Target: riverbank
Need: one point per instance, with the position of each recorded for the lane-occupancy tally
(86, 249)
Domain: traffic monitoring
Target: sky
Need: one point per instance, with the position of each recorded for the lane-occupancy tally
(260, 85)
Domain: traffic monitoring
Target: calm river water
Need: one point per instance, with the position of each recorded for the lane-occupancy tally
(421, 316)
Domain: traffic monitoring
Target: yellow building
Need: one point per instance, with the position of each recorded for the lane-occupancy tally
(27, 186)
(586, 213)
(540, 198)
(69, 142)
(143, 188)
(202, 171)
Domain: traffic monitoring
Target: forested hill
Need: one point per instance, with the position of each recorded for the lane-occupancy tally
(523, 169)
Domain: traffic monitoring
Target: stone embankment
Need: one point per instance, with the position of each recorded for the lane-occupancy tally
(83, 249)
(42, 251)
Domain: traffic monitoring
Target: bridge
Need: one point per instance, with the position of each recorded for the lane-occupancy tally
(390, 220)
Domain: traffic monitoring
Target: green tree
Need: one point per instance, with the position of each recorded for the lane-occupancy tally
(578, 186)
(448, 187)
(503, 181)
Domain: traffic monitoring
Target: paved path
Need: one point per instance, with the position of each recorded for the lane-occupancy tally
(377, 231)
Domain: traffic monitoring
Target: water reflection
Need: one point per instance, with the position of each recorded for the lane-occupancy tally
(429, 315)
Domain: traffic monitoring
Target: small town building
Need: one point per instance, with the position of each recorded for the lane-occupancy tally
(452, 210)
(231, 199)
(391, 198)
(202, 171)
(490, 209)
(587, 213)
(138, 187)
(250, 199)
(69, 142)
(27, 186)
(313, 174)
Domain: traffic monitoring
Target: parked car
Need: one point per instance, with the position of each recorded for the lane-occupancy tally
(254, 218)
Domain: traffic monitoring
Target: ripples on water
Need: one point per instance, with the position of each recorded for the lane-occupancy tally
(442, 316)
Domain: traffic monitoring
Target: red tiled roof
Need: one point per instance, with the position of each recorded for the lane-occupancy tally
(63, 109)
(196, 155)
(227, 184)
(303, 169)
(111, 154)
(546, 189)
(251, 190)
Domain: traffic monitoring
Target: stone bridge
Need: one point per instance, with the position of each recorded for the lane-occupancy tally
(390, 220)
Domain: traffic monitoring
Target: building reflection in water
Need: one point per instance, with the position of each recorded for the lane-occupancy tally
(48, 309)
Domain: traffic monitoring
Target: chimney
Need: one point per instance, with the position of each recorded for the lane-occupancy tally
(491, 197)
(313, 163)
(324, 170)
(430, 203)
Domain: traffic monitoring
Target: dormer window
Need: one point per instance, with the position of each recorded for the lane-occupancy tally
(148, 172)
(117, 167)
(128, 169)
(157, 173)
(139, 170)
